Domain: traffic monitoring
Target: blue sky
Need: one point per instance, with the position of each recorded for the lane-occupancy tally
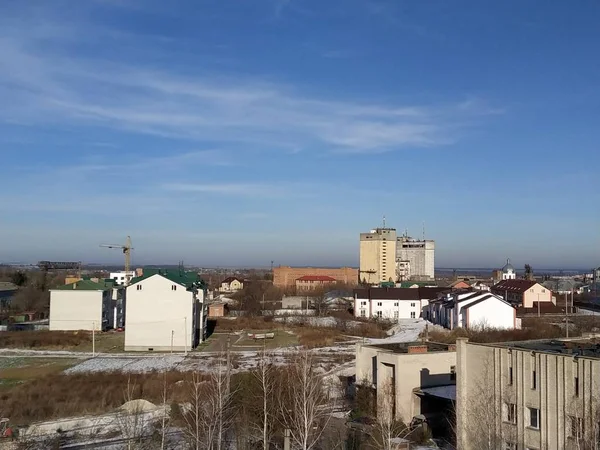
(235, 132)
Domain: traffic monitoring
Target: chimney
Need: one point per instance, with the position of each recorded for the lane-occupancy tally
(417, 349)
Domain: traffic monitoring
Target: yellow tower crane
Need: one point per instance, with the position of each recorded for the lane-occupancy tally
(126, 249)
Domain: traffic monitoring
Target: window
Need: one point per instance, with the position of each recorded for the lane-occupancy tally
(362, 313)
(363, 303)
(534, 418)
(543, 291)
(412, 305)
(379, 314)
(412, 314)
(139, 287)
(396, 315)
(576, 387)
(510, 446)
(510, 415)
(378, 303)
(396, 304)
(530, 290)
(452, 373)
(510, 375)
(533, 374)
(174, 287)
(576, 429)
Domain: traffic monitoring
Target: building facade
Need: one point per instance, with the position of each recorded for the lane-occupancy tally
(393, 303)
(83, 305)
(231, 284)
(508, 271)
(312, 282)
(285, 276)
(164, 311)
(523, 293)
(528, 395)
(418, 256)
(405, 370)
(378, 256)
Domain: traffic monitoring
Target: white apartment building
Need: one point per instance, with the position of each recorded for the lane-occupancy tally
(393, 303)
(164, 311)
(418, 256)
(472, 309)
(378, 256)
(532, 395)
(412, 373)
(83, 305)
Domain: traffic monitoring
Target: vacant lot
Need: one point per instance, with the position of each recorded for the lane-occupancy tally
(80, 341)
(16, 370)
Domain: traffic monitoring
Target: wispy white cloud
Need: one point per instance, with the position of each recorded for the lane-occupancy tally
(42, 86)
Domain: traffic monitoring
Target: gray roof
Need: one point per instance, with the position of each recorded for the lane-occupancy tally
(508, 267)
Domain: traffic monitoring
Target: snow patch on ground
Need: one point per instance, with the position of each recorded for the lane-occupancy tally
(406, 330)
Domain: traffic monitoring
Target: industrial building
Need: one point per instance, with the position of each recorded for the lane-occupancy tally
(165, 310)
(385, 257)
(420, 376)
(84, 305)
(378, 256)
(540, 394)
(415, 258)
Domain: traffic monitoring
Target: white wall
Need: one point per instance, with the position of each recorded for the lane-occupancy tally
(154, 312)
(390, 309)
(76, 309)
(491, 313)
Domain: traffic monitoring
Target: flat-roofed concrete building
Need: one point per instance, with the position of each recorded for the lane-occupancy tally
(419, 375)
(418, 255)
(541, 394)
(378, 256)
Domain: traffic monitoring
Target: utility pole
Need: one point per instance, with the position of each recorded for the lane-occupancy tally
(567, 313)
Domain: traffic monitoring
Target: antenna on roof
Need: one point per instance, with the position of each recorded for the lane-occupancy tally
(423, 230)
(384, 221)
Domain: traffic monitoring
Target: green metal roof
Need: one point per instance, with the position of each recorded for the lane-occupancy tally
(187, 279)
(85, 285)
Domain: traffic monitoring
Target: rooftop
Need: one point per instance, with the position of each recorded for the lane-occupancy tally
(416, 347)
(187, 279)
(589, 348)
(519, 286)
(87, 285)
(316, 278)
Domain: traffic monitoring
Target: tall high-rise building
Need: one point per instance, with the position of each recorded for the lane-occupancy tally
(418, 256)
(378, 256)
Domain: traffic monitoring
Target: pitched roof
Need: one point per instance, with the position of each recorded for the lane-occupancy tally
(229, 280)
(188, 279)
(431, 293)
(388, 293)
(519, 286)
(487, 297)
(85, 285)
(315, 278)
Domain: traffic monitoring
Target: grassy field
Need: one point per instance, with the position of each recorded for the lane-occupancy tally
(17, 370)
(78, 341)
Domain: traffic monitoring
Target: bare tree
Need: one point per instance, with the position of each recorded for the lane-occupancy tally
(209, 415)
(387, 428)
(303, 403)
(264, 374)
(584, 430)
(132, 419)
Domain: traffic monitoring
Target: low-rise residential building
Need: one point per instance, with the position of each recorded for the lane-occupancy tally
(231, 284)
(312, 282)
(393, 303)
(83, 305)
(471, 309)
(165, 310)
(285, 276)
(540, 394)
(420, 377)
(522, 292)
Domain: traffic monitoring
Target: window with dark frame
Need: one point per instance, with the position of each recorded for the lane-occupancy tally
(534, 418)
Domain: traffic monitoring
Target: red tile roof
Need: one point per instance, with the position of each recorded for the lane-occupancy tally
(315, 278)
